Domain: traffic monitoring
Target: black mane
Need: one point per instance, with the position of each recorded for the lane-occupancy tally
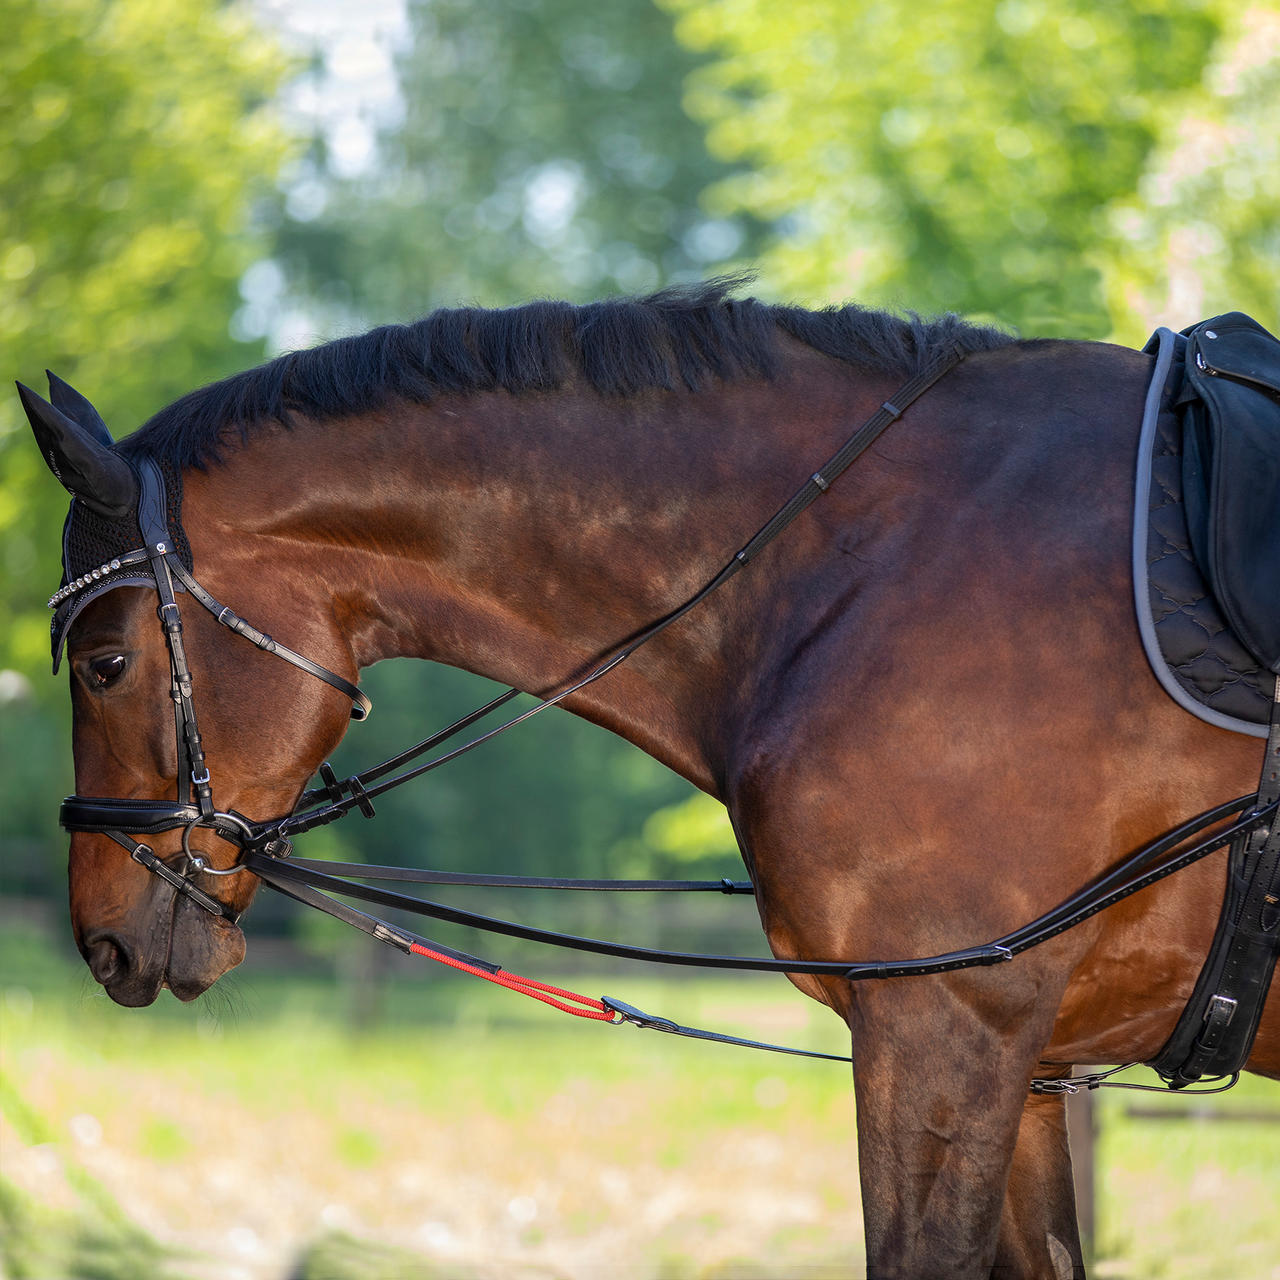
(680, 337)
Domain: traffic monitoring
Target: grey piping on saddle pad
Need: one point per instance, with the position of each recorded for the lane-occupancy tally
(1141, 592)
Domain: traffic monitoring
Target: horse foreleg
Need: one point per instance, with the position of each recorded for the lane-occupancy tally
(1039, 1235)
(940, 1071)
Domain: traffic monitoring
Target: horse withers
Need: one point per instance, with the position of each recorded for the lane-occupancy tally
(926, 707)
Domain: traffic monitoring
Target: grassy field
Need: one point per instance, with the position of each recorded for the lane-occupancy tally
(474, 1135)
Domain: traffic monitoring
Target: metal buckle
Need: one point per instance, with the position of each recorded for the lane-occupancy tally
(1219, 1005)
(145, 856)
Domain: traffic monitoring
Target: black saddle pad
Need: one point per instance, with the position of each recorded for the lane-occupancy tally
(1193, 650)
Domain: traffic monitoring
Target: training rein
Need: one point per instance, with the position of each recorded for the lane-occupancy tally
(265, 848)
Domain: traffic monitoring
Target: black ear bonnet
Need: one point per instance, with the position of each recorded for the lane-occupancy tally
(92, 551)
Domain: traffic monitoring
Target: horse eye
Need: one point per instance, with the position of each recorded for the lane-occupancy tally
(106, 671)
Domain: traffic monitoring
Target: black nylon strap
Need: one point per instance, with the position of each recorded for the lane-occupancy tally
(647, 1022)
(416, 875)
(360, 704)
(857, 444)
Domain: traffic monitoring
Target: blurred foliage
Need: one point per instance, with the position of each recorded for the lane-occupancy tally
(41, 1243)
(94, 1239)
(543, 151)
(338, 1256)
(977, 156)
(1201, 233)
(691, 830)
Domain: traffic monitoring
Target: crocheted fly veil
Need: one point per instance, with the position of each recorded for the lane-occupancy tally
(96, 556)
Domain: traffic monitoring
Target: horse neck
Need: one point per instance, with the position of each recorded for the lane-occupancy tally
(522, 538)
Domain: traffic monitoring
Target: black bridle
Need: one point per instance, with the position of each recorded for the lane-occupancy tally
(193, 807)
(265, 847)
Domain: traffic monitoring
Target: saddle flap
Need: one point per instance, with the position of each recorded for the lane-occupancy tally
(1234, 346)
(1232, 473)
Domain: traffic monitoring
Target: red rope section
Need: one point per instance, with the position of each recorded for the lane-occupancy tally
(589, 1008)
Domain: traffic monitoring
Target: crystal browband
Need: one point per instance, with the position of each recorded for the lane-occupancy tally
(126, 561)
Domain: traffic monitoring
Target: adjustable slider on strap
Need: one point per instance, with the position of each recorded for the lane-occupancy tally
(332, 787)
(228, 618)
(363, 803)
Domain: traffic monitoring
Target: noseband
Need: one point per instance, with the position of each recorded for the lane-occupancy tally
(193, 806)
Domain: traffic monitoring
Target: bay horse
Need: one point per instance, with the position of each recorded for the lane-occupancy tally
(925, 707)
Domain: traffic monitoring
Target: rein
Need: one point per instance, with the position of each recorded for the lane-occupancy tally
(265, 846)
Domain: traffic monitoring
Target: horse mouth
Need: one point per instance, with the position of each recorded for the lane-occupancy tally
(186, 954)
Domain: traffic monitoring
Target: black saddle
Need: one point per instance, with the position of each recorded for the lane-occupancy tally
(1207, 520)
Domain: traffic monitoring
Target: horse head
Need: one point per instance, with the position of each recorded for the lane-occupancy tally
(262, 730)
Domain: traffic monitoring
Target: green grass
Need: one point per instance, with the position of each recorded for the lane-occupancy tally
(472, 1134)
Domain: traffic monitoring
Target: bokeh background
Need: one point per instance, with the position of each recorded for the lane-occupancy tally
(188, 187)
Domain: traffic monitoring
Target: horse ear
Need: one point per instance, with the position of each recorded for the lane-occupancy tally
(80, 462)
(77, 408)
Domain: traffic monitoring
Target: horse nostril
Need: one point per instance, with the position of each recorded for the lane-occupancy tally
(106, 960)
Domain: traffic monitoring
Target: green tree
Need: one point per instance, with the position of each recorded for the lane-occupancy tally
(544, 151)
(1201, 233)
(137, 137)
(968, 155)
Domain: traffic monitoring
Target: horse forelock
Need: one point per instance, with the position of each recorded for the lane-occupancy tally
(683, 337)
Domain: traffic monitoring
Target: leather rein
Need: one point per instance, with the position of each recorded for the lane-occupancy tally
(265, 847)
